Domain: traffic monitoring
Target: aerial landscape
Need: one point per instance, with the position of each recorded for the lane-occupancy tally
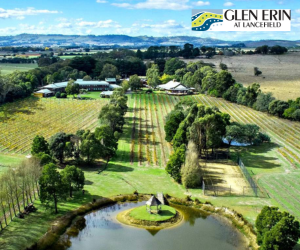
(123, 127)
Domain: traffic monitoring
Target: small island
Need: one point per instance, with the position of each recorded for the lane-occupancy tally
(154, 215)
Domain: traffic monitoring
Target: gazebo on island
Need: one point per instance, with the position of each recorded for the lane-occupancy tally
(153, 202)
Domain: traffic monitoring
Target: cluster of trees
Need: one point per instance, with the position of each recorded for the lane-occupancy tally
(276, 230)
(18, 60)
(188, 51)
(245, 133)
(193, 130)
(19, 187)
(265, 49)
(57, 185)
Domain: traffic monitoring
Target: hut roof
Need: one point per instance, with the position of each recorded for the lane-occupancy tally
(153, 201)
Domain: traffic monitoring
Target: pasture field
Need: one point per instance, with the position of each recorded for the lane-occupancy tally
(143, 152)
(280, 73)
(7, 68)
(22, 120)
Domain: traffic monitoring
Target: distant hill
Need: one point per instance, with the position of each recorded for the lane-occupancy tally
(127, 41)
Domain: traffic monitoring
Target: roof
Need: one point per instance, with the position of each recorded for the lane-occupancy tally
(170, 85)
(153, 201)
(79, 81)
(106, 93)
(180, 87)
(114, 86)
(44, 91)
(110, 79)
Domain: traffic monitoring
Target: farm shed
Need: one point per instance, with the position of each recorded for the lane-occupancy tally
(43, 93)
(105, 94)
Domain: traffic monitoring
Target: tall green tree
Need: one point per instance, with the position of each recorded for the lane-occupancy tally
(53, 188)
(74, 177)
(39, 145)
(72, 88)
(153, 78)
(108, 71)
(172, 123)
(175, 162)
(135, 82)
(58, 145)
(191, 172)
(90, 147)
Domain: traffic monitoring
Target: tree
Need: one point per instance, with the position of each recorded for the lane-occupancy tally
(74, 177)
(257, 72)
(72, 88)
(106, 136)
(276, 230)
(263, 101)
(87, 78)
(109, 71)
(172, 123)
(223, 66)
(191, 172)
(90, 147)
(172, 65)
(139, 54)
(84, 63)
(277, 107)
(125, 85)
(224, 81)
(5, 87)
(231, 93)
(39, 145)
(58, 145)
(251, 132)
(152, 74)
(166, 78)
(234, 132)
(135, 82)
(112, 116)
(175, 162)
(53, 187)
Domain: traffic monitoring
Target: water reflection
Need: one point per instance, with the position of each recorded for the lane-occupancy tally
(100, 230)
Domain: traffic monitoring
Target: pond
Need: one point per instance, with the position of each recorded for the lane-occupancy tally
(101, 230)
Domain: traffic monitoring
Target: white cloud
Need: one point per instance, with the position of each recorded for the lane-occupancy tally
(280, 2)
(99, 24)
(297, 11)
(65, 25)
(101, 1)
(21, 13)
(156, 4)
(201, 3)
(228, 4)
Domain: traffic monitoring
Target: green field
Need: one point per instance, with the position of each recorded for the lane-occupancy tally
(142, 155)
(7, 68)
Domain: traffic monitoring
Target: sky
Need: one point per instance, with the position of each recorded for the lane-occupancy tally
(131, 17)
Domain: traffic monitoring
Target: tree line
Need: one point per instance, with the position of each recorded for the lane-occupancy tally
(205, 79)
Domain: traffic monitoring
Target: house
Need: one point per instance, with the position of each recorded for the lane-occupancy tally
(174, 88)
(89, 85)
(111, 80)
(114, 86)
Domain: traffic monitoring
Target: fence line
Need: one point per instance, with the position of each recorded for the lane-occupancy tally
(248, 176)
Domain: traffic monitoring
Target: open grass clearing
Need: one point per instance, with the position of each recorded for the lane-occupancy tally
(141, 213)
(8, 68)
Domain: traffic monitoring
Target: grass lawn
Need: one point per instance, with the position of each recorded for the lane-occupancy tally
(7, 68)
(9, 160)
(166, 213)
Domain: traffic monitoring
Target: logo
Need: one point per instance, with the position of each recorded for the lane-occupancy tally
(241, 20)
(203, 20)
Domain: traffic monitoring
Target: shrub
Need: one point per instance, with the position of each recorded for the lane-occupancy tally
(63, 95)
(57, 95)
